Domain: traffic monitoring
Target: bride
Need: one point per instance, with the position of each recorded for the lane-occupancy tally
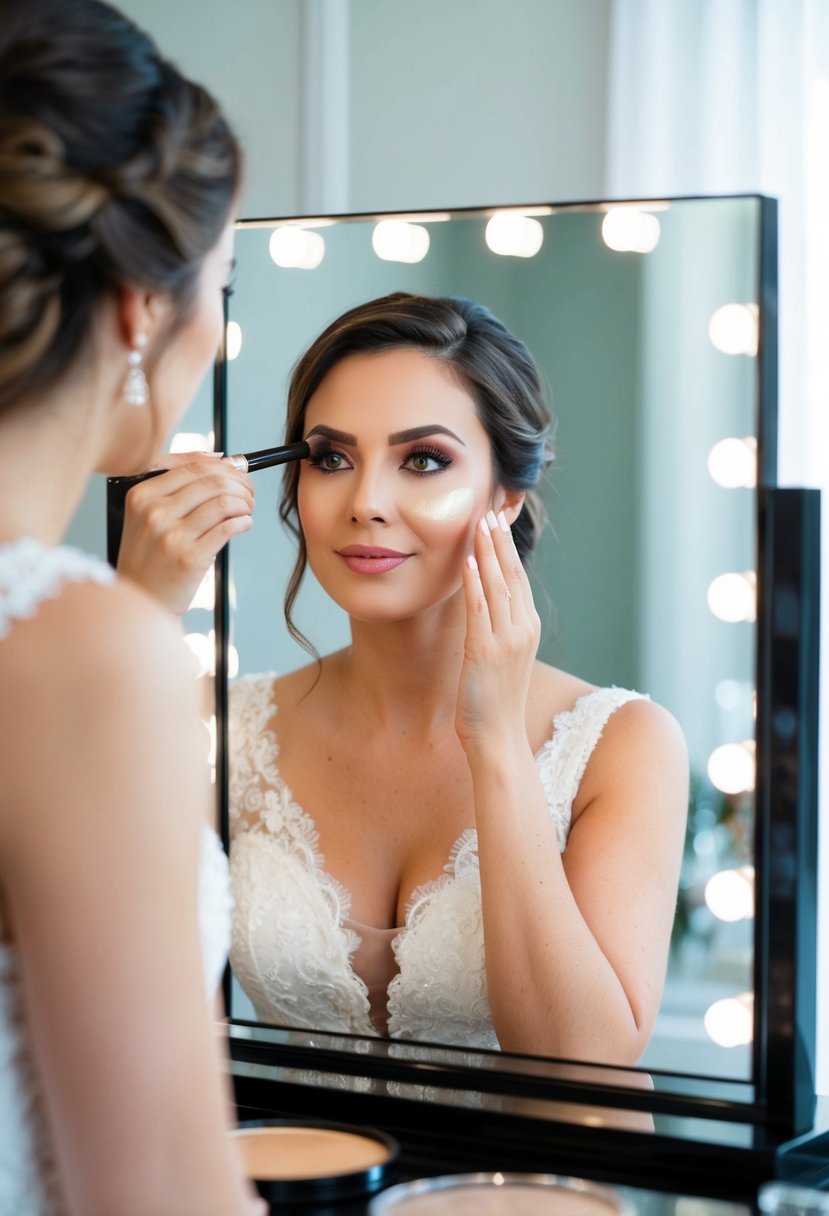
(117, 183)
(435, 836)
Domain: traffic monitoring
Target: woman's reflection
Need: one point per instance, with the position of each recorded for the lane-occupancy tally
(434, 835)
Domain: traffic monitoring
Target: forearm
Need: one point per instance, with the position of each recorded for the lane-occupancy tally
(551, 988)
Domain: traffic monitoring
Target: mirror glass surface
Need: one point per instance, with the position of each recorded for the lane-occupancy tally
(645, 577)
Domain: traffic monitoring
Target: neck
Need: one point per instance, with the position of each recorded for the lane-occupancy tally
(47, 455)
(406, 673)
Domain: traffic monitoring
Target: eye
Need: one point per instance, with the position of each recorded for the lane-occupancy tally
(426, 461)
(328, 461)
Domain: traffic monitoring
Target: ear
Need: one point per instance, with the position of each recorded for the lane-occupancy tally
(140, 312)
(508, 501)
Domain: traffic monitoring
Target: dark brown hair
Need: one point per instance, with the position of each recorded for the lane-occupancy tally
(494, 367)
(114, 170)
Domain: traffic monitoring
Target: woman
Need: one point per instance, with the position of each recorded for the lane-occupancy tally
(118, 179)
(434, 835)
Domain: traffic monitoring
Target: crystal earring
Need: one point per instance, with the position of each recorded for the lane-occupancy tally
(136, 389)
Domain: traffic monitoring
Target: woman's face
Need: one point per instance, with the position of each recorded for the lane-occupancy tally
(389, 505)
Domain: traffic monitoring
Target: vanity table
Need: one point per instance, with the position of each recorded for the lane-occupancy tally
(713, 1131)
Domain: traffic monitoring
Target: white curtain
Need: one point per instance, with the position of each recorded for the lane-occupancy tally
(728, 96)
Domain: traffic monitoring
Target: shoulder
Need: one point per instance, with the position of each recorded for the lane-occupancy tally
(98, 683)
(97, 631)
(641, 748)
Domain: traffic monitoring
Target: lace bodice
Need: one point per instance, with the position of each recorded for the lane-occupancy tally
(29, 574)
(294, 945)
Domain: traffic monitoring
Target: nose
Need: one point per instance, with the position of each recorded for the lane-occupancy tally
(370, 496)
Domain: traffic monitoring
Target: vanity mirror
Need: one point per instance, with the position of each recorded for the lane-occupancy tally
(654, 325)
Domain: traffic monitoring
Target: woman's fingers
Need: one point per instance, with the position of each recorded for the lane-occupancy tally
(175, 524)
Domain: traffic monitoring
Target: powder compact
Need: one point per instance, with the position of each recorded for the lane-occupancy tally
(309, 1162)
(499, 1195)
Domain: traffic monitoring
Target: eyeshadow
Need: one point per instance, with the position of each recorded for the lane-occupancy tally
(292, 1161)
(499, 1195)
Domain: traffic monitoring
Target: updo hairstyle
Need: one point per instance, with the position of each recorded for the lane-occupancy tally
(114, 170)
(492, 365)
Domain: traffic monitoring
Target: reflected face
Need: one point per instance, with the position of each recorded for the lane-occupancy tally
(389, 502)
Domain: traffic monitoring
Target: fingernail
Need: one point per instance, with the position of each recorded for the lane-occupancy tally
(491, 520)
(502, 520)
(471, 562)
(484, 527)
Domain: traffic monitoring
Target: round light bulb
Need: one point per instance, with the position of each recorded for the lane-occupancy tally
(731, 767)
(191, 441)
(734, 329)
(733, 597)
(295, 248)
(730, 1022)
(627, 230)
(512, 234)
(730, 894)
(201, 647)
(233, 340)
(732, 463)
(400, 241)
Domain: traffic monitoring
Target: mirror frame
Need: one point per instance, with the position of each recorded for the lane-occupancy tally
(779, 1097)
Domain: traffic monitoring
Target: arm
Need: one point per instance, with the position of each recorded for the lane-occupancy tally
(176, 524)
(104, 785)
(576, 945)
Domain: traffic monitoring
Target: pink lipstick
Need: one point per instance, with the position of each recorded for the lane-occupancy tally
(371, 559)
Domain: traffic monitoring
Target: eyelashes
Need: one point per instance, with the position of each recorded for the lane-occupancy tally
(419, 453)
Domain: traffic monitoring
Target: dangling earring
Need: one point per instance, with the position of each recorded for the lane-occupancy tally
(136, 389)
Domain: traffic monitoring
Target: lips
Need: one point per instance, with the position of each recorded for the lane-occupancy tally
(371, 559)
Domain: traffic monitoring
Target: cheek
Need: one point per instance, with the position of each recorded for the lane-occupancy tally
(448, 520)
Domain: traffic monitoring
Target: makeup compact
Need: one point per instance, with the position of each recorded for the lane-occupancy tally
(499, 1195)
(299, 1162)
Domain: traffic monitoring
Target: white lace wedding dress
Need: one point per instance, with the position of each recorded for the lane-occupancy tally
(297, 954)
(29, 574)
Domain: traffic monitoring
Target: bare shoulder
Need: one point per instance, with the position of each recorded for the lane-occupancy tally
(641, 748)
(97, 666)
(90, 632)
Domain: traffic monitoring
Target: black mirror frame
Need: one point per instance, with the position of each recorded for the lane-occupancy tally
(779, 1102)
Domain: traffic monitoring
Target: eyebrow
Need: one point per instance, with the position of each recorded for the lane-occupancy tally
(415, 432)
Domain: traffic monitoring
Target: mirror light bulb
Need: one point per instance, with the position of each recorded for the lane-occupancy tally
(733, 597)
(731, 767)
(732, 463)
(730, 1022)
(734, 329)
(627, 230)
(205, 596)
(729, 894)
(201, 647)
(513, 234)
(191, 441)
(296, 248)
(400, 241)
(233, 340)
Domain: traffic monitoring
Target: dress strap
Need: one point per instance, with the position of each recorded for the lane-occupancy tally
(563, 758)
(31, 572)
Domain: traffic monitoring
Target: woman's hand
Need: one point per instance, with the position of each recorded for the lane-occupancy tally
(175, 525)
(502, 635)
